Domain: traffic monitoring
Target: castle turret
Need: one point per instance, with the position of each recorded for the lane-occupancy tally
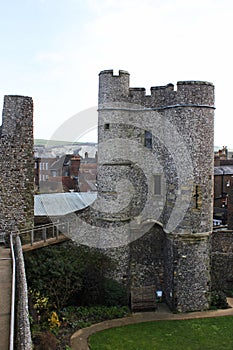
(195, 93)
(162, 144)
(113, 88)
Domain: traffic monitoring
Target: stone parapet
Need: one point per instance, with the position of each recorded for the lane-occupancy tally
(114, 88)
(22, 327)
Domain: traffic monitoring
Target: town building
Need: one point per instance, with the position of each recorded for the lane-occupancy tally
(223, 185)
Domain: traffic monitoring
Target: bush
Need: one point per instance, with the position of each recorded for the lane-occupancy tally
(92, 286)
(80, 316)
(229, 293)
(218, 300)
(114, 294)
(98, 290)
(67, 273)
(45, 341)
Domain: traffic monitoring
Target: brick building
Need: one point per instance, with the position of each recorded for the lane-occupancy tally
(68, 173)
(223, 184)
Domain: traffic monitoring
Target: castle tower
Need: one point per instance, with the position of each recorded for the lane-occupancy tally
(16, 164)
(156, 162)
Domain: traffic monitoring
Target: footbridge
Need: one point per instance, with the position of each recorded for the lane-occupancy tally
(14, 316)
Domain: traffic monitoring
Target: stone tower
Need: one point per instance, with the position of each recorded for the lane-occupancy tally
(16, 164)
(155, 180)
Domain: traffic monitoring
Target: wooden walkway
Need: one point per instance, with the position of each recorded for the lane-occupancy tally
(43, 243)
(42, 236)
(5, 296)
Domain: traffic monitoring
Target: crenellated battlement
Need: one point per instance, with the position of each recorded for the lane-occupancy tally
(113, 88)
(116, 88)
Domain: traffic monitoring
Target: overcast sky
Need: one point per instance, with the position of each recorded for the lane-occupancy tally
(53, 51)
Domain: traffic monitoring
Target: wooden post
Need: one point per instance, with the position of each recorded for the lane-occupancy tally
(57, 231)
(44, 234)
(32, 236)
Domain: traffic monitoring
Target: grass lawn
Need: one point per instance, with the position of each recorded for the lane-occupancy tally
(197, 334)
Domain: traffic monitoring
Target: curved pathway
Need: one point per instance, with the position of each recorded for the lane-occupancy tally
(79, 340)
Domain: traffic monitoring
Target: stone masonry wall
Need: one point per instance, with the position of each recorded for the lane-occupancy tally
(147, 259)
(222, 260)
(189, 279)
(22, 327)
(16, 164)
(128, 113)
(166, 140)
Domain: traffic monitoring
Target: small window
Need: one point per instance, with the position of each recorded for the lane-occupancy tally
(106, 126)
(157, 185)
(148, 139)
(197, 196)
(54, 173)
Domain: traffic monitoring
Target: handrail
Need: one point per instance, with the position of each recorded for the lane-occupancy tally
(12, 325)
(43, 230)
(38, 227)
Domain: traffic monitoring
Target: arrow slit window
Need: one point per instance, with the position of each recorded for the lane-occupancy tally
(157, 185)
(148, 139)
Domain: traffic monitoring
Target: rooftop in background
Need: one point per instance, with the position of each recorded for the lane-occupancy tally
(55, 148)
(57, 204)
(223, 170)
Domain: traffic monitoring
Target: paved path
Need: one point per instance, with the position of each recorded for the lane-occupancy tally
(5, 296)
(80, 338)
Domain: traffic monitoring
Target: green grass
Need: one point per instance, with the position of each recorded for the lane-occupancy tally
(197, 334)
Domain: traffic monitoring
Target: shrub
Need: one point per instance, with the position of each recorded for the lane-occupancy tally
(67, 273)
(54, 322)
(229, 293)
(45, 341)
(81, 316)
(114, 294)
(218, 300)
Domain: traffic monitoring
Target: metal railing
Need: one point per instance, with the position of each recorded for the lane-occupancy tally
(44, 233)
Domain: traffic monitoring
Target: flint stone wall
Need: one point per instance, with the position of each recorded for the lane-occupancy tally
(16, 164)
(22, 327)
(180, 151)
(187, 288)
(222, 260)
(182, 143)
